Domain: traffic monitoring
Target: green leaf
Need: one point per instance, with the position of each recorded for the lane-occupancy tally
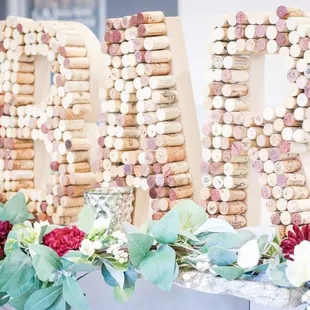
(50, 257)
(221, 256)
(166, 229)
(73, 295)
(159, 267)
(86, 219)
(262, 240)
(224, 240)
(188, 235)
(42, 233)
(131, 277)
(215, 225)
(4, 298)
(122, 295)
(43, 269)
(257, 269)
(21, 295)
(59, 304)
(82, 267)
(112, 276)
(73, 256)
(16, 270)
(228, 273)
(43, 299)
(139, 245)
(191, 215)
(11, 243)
(15, 210)
(278, 276)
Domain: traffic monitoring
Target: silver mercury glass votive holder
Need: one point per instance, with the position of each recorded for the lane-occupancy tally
(113, 203)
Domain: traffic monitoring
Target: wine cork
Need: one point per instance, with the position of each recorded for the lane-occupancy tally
(15, 186)
(213, 207)
(82, 178)
(236, 62)
(291, 179)
(232, 195)
(235, 169)
(22, 154)
(235, 76)
(295, 192)
(232, 208)
(292, 147)
(64, 211)
(179, 179)
(148, 30)
(175, 168)
(301, 218)
(270, 205)
(276, 155)
(71, 202)
(154, 69)
(20, 165)
(237, 221)
(163, 128)
(170, 154)
(235, 183)
(21, 175)
(160, 56)
(165, 96)
(234, 90)
(78, 144)
(287, 166)
(300, 205)
(275, 218)
(286, 12)
(77, 157)
(126, 144)
(169, 140)
(181, 192)
(158, 215)
(76, 63)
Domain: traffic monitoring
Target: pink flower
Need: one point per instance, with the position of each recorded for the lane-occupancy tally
(293, 239)
(62, 240)
(5, 228)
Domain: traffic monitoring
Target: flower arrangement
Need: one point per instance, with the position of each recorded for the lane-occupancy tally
(41, 263)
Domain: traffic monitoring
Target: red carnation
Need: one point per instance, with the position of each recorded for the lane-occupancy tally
(5, 228)
(62, 240)
(294, 238)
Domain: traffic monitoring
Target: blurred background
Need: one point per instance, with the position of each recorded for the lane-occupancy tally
(196, 18)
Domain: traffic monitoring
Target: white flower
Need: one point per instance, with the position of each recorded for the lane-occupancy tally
(248, 255)
(187, 277)
(298, 271)
(304, 298)
(101, 223)
(87, 247)
(97, 245)
(199, 266)
(122, 261)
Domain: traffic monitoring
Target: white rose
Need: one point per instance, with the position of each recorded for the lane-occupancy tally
(298, 271)
(101, 223)
(248, 255)
(87, 247)
(97, 245)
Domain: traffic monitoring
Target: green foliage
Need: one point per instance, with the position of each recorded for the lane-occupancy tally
(73, 295)
(16, 271)
(86, 219)
(131, 277)
(158, 267)
(278, 276)
(21, 294)
(166, 229)
(139, 245)
(191, 215)
(15, 210)
(11, 243)
(112, 276)
(221, 256)
(228, 273)
(44, 298)
(122, 295)
(4, 298)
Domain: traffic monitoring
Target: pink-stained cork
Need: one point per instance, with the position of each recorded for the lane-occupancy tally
(215, 195)
(304, 43)
(282, 39)
(205, 167)
(241, 18)
(260, 31)
(128, 169)
(240, 31)
(236, 148)
(282, 11)
(261, 44)
(157, 168)
(257, 166)
(292, 75)
(206, 129)
(151, 181)
(275, 219)
(54, 166)
(216, 168)
(266, 192)
(281, 25)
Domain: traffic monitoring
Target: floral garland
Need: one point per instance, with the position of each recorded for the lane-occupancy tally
(40, 261)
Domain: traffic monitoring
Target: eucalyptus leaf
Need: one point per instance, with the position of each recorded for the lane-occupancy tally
(48, 255)
(21, 294)
(112, 276)
(128, 228)
(131, 277)
(11, 243)
(122, 295)
(215, 225)
(4, 298)
(262, 243)
(73, 256)
(16, 270)
(78, 267)
(278, 276)
(166, 229)
(188, 235)
(158, 267)
(139, 245)
(191, 215)
(86, 219)
(73, 295)
(176, 271)
(15, 210)
(227, 272)
(44, 298)
(221, 256)
(225, 240)
(43, 269)
(59, 304)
